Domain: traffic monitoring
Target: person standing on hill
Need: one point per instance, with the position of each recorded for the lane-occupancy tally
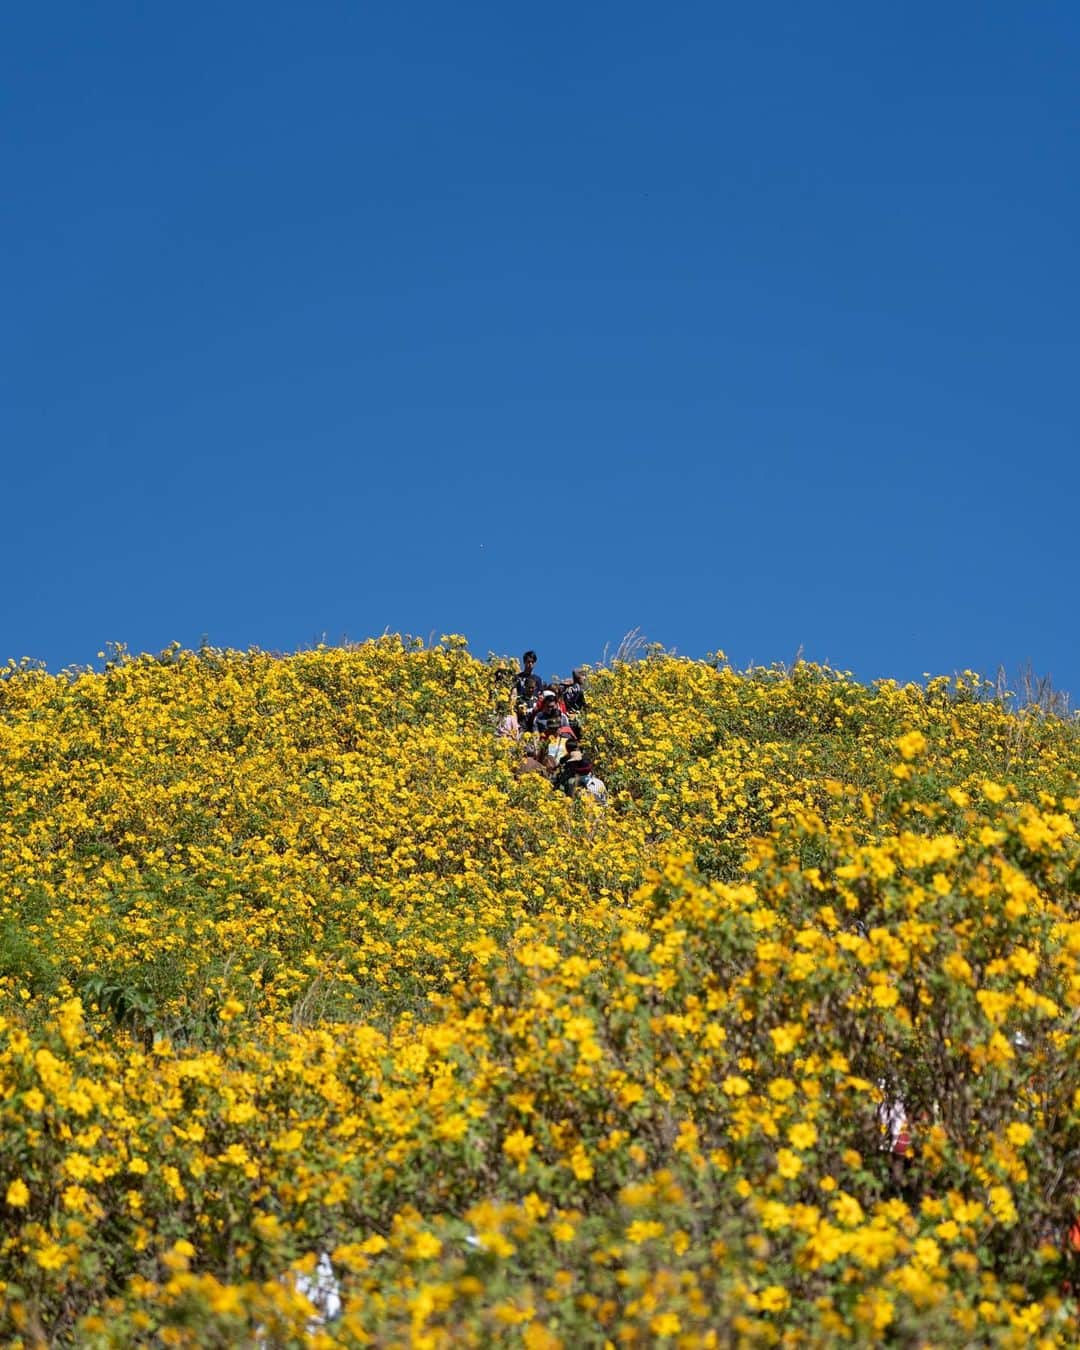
(574, 768)
(509, 728)
(550, 715)
(528, 663)
(529, 702)
(573, 693)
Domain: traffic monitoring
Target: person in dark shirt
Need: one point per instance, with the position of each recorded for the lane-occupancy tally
(550, 713)
(528, 662)
(574, 769)
(573, 694)
(529, 701)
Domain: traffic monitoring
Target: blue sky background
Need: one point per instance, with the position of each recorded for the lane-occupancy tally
(750, 327)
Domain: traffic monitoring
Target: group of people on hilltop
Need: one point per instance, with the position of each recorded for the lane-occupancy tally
(544, 721)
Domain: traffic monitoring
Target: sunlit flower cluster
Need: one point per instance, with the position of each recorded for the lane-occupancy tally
(781, 1047)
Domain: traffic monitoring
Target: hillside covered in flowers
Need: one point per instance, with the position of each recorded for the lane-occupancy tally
(779, 1046)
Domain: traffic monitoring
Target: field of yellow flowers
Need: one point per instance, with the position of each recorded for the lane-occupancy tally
(780, 1047)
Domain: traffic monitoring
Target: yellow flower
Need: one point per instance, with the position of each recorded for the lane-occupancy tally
(538, 1337)
(78, 1166)
(665, 1324)
(957, 967)
(876, 1309)
(18, 1195)
(803, 1135)
(517, 1147)
(774, 1216)
(788, 1164)
(580, 1163)
(786, 1038)
(847, 1209)
(1019, 1133)
(50, 1256)
(426, 1246)
(539, 954)
(267, 1226)
(1001, 1203)
(911, 744)
(453, 1127)
(288, 1142)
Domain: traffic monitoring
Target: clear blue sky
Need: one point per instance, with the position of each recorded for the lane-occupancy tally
(750, 326)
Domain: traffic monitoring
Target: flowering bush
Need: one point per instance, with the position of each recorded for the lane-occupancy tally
(780, 1048)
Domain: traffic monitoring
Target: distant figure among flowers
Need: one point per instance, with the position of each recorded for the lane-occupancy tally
(540, 721)
(528, 665)
(573, 692)
(509, 727)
